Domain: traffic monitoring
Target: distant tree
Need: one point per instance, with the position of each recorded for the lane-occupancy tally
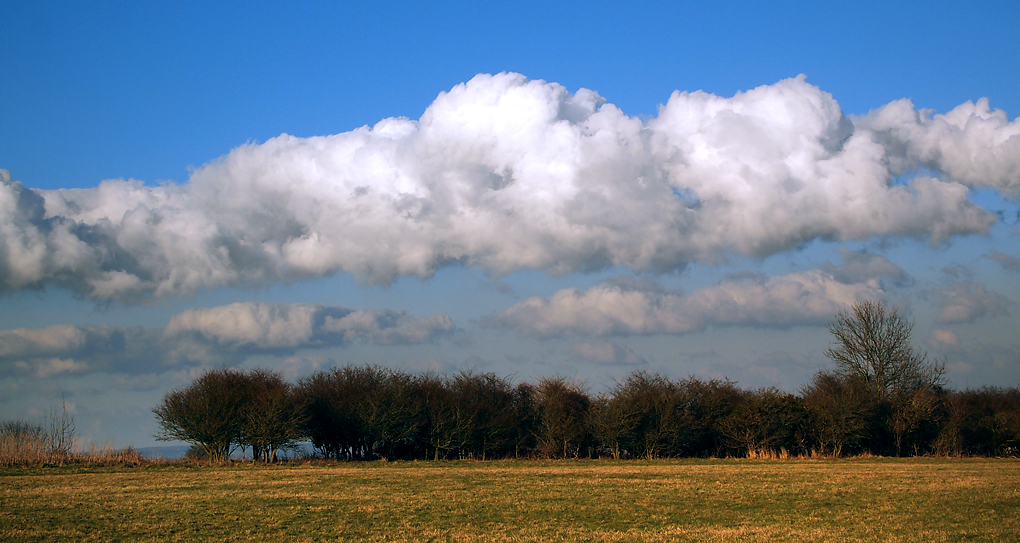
(272, 416)
(207, 413)
(22, 429)
(196, 453)
(526, 417)
(917, 420)
(768, 420)
(444, 425)
(22, 442)
(843, 409)
(872, 343)
(982, 422)
(563, 413)
(488, 403)
(386, 413)
(704, 406)
(324, 416)
(341, 404)
(647, 408)
(612, 424)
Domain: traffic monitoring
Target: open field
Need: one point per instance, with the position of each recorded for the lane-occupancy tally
(865, 499)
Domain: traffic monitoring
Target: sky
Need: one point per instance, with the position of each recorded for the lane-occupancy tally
(581, 190)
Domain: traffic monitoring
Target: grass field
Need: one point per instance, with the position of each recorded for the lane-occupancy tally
(868, 499)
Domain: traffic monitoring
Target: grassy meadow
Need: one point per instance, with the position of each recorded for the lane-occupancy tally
(861, 499)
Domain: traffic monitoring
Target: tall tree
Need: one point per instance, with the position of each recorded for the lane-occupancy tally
(873, 343)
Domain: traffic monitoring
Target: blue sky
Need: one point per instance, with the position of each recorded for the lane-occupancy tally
(708, 234)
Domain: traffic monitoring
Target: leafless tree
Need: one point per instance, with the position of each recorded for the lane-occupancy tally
(844, 411)
(271, 416)
(768, 420)
(206, 413)
(612, 424)
(873, 343)
(563, 413)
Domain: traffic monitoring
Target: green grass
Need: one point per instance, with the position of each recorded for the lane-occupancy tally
(869, 499)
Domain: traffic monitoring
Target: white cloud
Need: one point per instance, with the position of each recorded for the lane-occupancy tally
(504, 173)
(257, 324)
(941, 338)
(273, 326)
(810, 297)
(972, 144)
(42, 341)
(968, 301)
(211, 336)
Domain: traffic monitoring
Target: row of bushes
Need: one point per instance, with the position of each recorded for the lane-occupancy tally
(367, 412)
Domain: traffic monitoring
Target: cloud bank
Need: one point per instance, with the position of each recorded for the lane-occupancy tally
(801, 298)
(218, 335)
(506, 173)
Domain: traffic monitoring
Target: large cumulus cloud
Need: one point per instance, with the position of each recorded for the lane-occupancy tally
(973, 144)
(506, 173)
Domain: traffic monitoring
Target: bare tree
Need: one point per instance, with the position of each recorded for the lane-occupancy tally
(916, 421)
(526, 416)
(387, 413)
(649, 408)
(489, 401)
(873, 343)
(705, 405)
(563, 413)
(61, 431)
(844, 410)
(767, 420)
(271, 416)
(443, 424)
(206, 413)
(612, 424)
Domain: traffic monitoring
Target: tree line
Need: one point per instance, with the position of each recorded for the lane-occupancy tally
(882, 398)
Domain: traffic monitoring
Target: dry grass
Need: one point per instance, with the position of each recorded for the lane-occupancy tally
(871, 499)
(23, 449)
(37, 451)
